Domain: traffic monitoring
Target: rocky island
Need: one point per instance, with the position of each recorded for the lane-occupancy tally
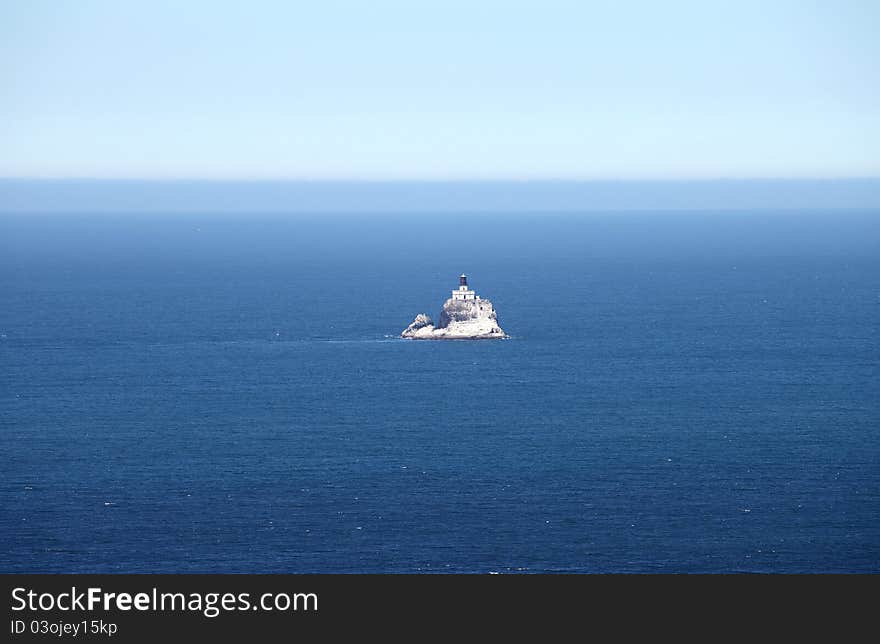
(465, 316)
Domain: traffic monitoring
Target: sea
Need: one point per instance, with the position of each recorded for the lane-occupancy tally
(682, 391)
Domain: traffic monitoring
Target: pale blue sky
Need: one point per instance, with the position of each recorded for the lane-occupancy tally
(442, 90)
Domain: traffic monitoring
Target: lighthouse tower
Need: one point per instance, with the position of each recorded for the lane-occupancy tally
(463, 292)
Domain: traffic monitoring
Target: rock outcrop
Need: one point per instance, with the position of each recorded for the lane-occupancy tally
(465, 316)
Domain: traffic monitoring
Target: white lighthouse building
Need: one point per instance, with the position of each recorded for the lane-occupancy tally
(463, 292)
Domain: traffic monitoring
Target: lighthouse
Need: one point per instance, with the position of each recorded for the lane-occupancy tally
(463, 292)
(465, 316)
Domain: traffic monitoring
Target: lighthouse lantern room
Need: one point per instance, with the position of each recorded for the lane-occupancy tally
(463, 292)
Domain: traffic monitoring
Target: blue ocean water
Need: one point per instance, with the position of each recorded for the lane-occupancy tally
(683, 392)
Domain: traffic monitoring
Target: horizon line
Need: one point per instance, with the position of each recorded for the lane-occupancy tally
(339, 195)
(434, 180)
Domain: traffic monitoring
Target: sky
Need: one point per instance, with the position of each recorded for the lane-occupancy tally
(453, 90)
